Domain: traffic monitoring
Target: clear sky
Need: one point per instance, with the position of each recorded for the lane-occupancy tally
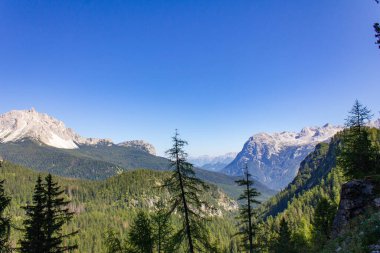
(219, 71)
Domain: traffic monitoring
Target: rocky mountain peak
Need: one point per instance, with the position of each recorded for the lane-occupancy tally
(140, 144)
(274, 158)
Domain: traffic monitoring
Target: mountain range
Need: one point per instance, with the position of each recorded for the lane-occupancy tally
(274, 159)
(213, 163)
(39, 141)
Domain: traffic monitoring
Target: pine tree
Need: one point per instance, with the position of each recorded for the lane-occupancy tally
(284, 243)
(358, 154)
(34, 238)
(4, 221)
(45, 218)
(185, 189)
(162, 229)
(141, 234)
(56, 215)
(246, 216)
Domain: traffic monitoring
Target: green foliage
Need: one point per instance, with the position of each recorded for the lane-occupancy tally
(359, 235)
(103, 161)
(46, 216)
(141, 234)
(34, 237)
(56, 214)
(323, 218)
(112, 243)
(246, 217)
(110, 204)
(162, 229)
(88, 162)
(317, 179)
(358, 156)
(284, 243)
(4, 220)
(185, 197)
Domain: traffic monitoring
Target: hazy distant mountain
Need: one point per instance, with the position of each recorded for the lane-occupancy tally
(213, 163)
(274, 159)
(17, 125)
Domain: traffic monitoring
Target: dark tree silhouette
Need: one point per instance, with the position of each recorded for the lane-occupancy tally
(34, 237)
(376, 26)
(246, 216)
(4, 220)
(45, 218)
(185, 189)
(56, 215)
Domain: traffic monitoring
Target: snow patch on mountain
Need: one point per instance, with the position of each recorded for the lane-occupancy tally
(17, 125)
(273, 159)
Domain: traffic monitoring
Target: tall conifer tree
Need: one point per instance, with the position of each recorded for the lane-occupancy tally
(34, 238)
(56, 215)
(45, 218)
(358, 155)
(185, 189)
(246, 217)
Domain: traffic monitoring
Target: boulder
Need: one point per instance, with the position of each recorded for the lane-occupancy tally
(356, 197)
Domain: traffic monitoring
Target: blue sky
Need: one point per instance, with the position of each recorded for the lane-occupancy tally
(219, 71)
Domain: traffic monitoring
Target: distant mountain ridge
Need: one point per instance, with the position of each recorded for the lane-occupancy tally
(17, 125)
(274, 159)
(213, 163)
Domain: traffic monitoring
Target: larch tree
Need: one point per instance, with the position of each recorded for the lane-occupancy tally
(185, 190)
(5, 226)
(246, 211)
(357, 153)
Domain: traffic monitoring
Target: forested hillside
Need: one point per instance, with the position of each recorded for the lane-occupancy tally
(103, 161)
(110, 204)
(319, 179)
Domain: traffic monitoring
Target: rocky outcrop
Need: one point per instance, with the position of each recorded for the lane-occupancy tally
(141, 145)
(356, 198)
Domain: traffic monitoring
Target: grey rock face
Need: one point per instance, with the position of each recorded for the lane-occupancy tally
(356, 197)
(274, 159)
(141, 145)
